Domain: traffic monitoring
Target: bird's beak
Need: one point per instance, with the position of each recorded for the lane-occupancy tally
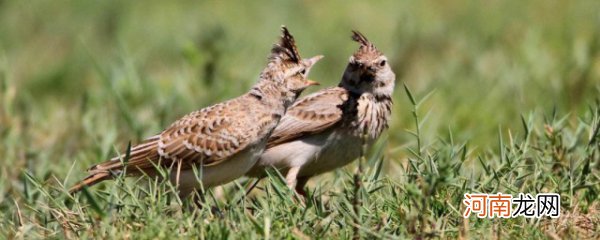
(309, 63)
(313, 60)
(367, 74)
(311, 83)
(368, 70)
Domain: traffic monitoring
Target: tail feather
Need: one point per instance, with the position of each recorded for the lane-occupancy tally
(90, 181)
(147, 150)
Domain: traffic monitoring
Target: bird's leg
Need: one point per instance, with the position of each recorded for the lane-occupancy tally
(251, 186)
(178, 174)
(290, 178)
(196, 199)
(300, 186)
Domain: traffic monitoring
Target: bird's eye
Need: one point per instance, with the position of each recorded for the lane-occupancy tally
(303, 71)
(382, 63)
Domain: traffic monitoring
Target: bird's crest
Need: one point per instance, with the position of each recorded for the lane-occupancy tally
(286, 49)
(366, 47)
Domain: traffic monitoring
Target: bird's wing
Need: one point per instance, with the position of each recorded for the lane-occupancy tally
(205, 137)
(309, 115)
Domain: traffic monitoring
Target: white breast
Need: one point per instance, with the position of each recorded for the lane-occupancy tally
(218, 174)
(316, 154)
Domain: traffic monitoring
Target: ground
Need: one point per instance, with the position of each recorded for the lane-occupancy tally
(491, 97)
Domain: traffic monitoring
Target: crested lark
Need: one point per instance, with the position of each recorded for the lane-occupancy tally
(325, 130)
(222, 142)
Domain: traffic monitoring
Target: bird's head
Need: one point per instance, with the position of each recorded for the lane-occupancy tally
(287, 69)
(368, 70)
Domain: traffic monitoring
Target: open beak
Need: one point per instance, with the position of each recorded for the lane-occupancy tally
(311, 61)
(314, 59)
(311, 83)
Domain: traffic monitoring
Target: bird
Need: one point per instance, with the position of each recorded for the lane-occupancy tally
(327, 129)
(219, 143)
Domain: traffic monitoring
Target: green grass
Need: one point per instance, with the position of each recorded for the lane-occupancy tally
(504, 99)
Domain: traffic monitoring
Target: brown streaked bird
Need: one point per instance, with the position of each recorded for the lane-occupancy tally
(222, 142)
(325, 130)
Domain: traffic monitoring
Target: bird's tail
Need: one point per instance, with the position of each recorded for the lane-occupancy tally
(90, 181)
(106, 170)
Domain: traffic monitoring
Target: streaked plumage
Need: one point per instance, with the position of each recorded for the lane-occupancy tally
(325, 130)
(221, 141)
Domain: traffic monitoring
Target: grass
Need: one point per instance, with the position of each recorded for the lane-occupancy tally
(486, 101)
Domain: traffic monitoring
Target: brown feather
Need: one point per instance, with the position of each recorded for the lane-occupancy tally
(309, 115)
(366, 47)
(360, 38)
(286, 49)
(90, 181)
(201, 137)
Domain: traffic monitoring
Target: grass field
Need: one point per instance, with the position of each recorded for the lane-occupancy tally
(504, 97)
